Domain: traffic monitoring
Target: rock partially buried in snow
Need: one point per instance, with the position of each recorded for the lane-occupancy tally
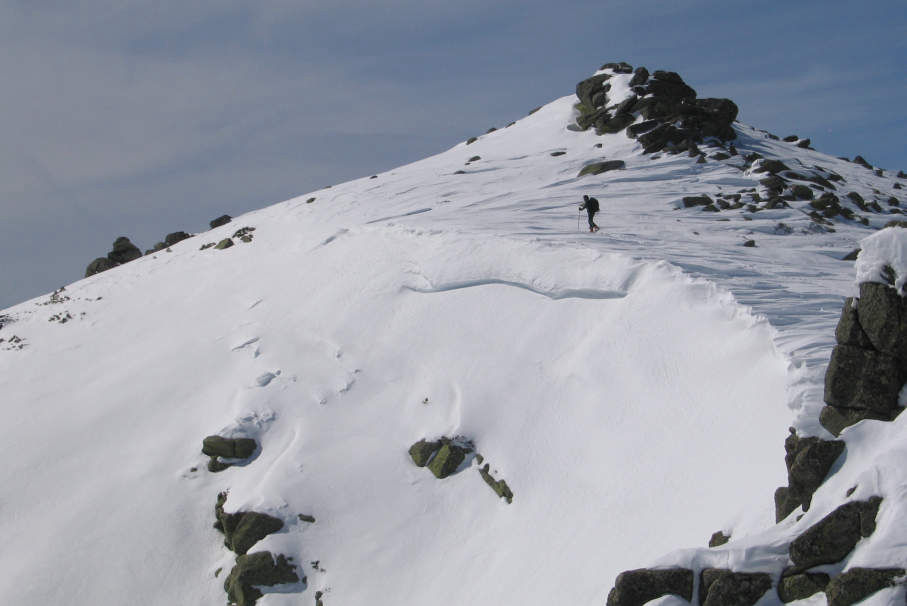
(244, 528)
(727, 588)
(637, 587)
(257, 569)
(230, 448)
(857, 584)
(448, 459)
(801, 586)
(597, 168)
(98, 265)
(221, 220)
(830, 539)
(422, 451)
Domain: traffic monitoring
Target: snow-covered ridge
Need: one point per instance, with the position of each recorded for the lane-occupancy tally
(632, 386)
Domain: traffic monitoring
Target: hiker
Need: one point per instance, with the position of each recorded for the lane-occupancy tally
(590, 205)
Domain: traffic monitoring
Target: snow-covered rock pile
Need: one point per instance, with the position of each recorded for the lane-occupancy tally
(834, 558)
(672, 118)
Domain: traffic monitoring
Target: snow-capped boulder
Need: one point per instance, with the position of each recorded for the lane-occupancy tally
(637, 587)
(857, 584)
(830, 539)
(257, 569)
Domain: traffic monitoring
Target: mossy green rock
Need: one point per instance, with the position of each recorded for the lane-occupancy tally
(225, 243)
(801, 586)
(637, 587)
(422, 451)
(256, 569)
(857, 584)
(447, 460)
(500, 487)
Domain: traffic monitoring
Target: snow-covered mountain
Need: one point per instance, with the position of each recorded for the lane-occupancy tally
(615, 396)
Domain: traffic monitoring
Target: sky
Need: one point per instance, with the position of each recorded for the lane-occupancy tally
(132, 118)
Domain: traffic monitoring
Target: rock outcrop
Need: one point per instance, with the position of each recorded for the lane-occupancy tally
(830, 539)
(808, 461)
(868, 366)
(244, 528)
(726, 588)
(672, 117)
(123, 251)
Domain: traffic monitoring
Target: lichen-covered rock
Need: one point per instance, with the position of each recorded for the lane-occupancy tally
(858, 584)
(124, 251)
(620, 121)
(589, 87)
(864, 379)
(449, 457)
(808, 461)
(636, 587)
(883, 316)
(225, 243)
(229, 448)
(801, 586)
(849, 331)
(221, 220)
(257, 569)
(98, 265)
(596, 168)
(422, 451)
(725, 588)
(500, 487)
(830, 539)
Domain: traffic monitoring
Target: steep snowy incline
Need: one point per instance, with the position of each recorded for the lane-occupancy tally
(631, 407)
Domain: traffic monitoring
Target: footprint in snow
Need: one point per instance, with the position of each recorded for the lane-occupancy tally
(264, 379)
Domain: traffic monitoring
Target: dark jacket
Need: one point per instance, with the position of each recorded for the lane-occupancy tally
(592, 205)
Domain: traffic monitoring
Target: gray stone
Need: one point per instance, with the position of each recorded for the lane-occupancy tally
(636, 587)
(858, 584)
(804, 143)
(447, 460)
(864, 379)
(726, 588)
(852, 255)
(848, 330)
(791, 138)
(772, 166)
(862, 162)
(773, 184)
(422, 451)
(98, 265)
(596, 168)
(801, 586)
(257, 569)
(830, 539)
(221, 220)
(621, 67)
(883, 316)
(784, 504)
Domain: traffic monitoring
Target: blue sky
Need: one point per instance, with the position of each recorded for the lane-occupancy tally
(138, 118)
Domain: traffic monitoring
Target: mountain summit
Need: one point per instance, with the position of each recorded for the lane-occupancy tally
(433, 384)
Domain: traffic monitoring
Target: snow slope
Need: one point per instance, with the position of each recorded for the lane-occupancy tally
(633, 386)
